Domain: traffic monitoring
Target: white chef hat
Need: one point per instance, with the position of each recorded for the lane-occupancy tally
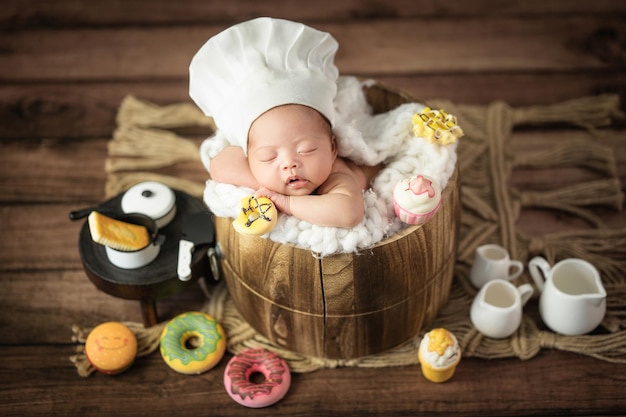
(251, 67)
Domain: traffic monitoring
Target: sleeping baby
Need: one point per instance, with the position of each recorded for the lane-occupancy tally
(270, 86)
(289, 128)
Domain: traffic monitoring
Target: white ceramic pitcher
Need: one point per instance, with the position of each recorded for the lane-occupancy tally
(492, 262)
(497, 308)
(573, 300)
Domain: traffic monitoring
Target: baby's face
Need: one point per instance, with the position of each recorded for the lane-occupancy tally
(291, 149)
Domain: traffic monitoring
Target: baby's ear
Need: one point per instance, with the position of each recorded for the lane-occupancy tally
(333, 144)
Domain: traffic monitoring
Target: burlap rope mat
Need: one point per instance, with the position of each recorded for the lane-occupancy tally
(142, 144)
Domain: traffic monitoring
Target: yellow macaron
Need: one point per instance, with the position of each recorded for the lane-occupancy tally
(111, 347)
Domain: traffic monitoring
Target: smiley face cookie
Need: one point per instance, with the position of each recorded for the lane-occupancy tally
(111, 347)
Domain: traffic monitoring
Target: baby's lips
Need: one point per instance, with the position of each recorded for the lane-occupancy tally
(296, 182)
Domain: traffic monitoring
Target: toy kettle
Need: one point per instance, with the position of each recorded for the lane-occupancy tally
(573, 300)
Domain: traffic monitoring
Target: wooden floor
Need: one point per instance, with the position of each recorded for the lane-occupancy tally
(65, 65)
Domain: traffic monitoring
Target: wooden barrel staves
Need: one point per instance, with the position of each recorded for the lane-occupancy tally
(346, 305)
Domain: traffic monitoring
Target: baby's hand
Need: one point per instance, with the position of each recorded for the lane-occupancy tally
(281, 201)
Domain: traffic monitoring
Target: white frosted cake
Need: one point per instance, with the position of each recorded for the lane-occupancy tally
(417, 199)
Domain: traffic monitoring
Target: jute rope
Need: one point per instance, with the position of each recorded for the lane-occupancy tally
(491, 209)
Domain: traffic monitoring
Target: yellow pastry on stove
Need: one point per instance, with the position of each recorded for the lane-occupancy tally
(117, 234)
(257, 217)
(436, 126)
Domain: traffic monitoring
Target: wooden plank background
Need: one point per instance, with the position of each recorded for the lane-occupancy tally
(75, 60)
(65, 66)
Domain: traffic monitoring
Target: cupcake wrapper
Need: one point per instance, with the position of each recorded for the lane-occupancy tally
(437, 375)
(414, 218)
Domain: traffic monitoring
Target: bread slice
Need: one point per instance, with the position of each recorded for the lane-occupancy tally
(117, 234)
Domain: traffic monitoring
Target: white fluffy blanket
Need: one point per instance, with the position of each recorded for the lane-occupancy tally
(365, 139)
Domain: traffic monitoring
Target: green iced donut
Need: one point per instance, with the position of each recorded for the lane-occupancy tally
(192, 343)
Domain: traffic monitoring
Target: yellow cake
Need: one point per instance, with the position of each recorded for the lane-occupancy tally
(439, 354)
(117, 234)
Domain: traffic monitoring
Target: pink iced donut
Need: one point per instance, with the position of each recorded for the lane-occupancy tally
(276, 378)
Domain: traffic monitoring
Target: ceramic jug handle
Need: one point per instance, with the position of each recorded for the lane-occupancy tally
(518, 268)
(539, 268)
(525, 291)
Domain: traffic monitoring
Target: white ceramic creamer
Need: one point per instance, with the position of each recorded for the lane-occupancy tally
(497, 308)
(573, 300)
(493, 262)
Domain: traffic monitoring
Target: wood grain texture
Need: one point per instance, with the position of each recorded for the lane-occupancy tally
(379, 47)
(35, 13)
(276, 289)
(384, 295)
(44, 110)
(50, 387)
(66, 65)
(347, 305)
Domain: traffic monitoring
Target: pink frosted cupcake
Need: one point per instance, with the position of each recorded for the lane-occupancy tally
(416, 200)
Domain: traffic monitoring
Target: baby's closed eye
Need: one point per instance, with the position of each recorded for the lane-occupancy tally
(266, 156)
(305, 151)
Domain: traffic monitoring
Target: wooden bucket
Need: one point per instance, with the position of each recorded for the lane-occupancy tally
(347, 305)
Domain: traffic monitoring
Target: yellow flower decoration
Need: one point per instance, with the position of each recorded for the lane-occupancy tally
(436, 126)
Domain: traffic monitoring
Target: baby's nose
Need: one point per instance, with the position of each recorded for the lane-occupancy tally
(290, 162)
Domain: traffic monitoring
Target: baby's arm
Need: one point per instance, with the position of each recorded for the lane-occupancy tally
(230, 166)
(338, 204)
